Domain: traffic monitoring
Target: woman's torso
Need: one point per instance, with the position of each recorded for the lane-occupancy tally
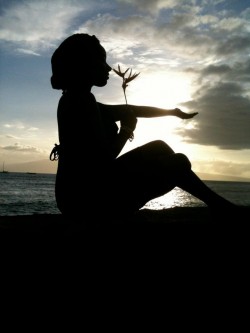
(85, 136)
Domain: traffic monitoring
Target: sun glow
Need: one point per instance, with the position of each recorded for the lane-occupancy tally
(160, 90)
(165, 90)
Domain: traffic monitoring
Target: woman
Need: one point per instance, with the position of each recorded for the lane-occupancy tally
(91, 178)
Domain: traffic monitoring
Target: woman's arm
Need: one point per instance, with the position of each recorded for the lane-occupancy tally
(127, 125)
(127, 115)
(151, 111)
(120, 110)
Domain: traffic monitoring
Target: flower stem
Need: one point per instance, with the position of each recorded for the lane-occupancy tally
(125, 96)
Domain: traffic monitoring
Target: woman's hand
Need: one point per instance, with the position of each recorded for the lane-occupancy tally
(183, 115)
(129, 119)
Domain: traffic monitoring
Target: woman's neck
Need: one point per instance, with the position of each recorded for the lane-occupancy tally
(77, 90)
(80, 88)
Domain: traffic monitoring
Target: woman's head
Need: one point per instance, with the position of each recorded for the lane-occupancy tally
(79, 59)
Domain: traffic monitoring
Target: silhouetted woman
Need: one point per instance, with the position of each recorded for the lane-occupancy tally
(91, 178)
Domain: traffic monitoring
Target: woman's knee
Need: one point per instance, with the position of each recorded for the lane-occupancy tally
(161, 147)
(182, 161)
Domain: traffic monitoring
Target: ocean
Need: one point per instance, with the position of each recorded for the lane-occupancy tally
(28, 194)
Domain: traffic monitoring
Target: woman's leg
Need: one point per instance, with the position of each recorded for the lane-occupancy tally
(139, 179)
(180, 167)
(192, 184)
(155, 170)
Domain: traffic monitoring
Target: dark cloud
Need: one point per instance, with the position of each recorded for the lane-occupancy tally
(240, 72)
(216, 69)
(234, 44)
(224, 116)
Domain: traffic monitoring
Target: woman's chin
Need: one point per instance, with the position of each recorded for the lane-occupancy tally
(101, 84)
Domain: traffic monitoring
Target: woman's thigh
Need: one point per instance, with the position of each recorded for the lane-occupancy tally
(146, 157)
(141, 176)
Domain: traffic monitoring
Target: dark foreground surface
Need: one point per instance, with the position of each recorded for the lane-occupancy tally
(180, 258)
(179, 218)
(177, 237)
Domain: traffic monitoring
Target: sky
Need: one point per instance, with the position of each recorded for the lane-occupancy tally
(191, 54)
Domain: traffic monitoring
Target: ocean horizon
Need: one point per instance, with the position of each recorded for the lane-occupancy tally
(34, 193)
(46, 166)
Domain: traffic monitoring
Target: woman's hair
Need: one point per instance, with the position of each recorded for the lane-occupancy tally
(69, 56)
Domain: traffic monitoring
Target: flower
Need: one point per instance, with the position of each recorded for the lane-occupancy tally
(125, 80)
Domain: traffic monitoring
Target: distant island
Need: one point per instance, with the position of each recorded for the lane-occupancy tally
(50, 167)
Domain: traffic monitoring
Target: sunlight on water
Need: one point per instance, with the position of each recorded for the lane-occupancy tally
(175, 198)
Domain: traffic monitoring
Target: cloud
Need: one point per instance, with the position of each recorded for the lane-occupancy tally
(233, 44)
(224, 113)
(231, 23)
(29, 52)
(223, 101)
(8, 136)
(19, 126)
(37, 24)
(215, 70)
(150, 6)
(17, 147)
(186, 32)
(238, 72)
(224, 167)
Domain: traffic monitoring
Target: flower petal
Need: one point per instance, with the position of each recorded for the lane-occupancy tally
(118, 73)
(129, 79)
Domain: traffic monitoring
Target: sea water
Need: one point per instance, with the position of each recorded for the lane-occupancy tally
(27, 194)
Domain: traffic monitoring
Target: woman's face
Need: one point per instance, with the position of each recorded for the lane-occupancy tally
(100, 69)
